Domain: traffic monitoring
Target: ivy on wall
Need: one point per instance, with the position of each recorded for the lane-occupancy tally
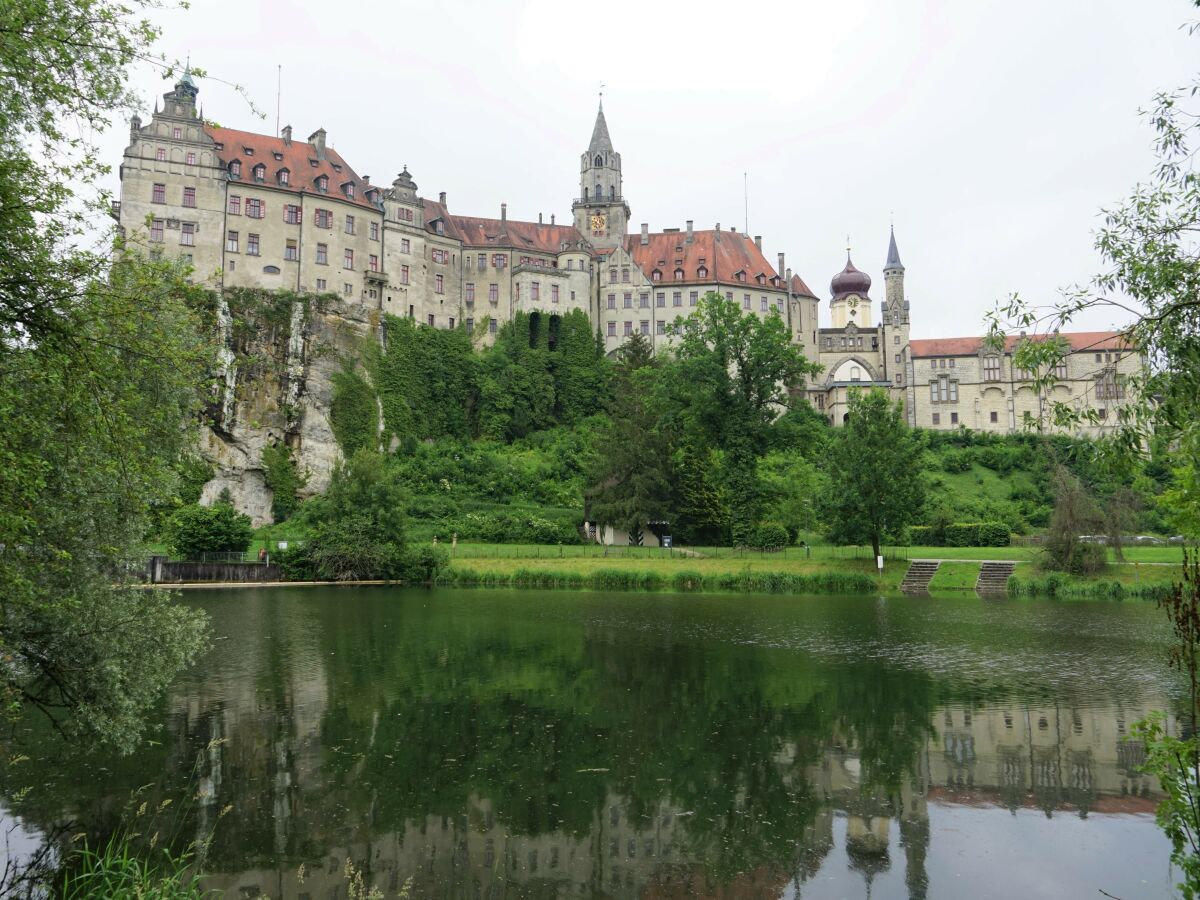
(353, 413)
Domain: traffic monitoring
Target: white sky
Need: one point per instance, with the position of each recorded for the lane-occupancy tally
(994, 131)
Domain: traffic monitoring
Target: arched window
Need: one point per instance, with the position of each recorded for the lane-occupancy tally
(323, 183)
(235, 169)
(260, 172)
(284, 176)
(702, 272)
(585, 193)
(599, 190)
(679, 274)
(612, 193)
(599, 160)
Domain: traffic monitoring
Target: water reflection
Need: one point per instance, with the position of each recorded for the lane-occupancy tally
(505, 745)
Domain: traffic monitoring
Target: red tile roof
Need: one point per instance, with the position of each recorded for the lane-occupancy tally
(478, 232)
(296, 159)
(724, 254)
(1080, 342)
(800, 289)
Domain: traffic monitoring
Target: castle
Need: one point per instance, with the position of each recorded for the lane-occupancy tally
(252, 210)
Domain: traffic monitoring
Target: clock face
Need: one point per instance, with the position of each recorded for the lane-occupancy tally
(598, 222)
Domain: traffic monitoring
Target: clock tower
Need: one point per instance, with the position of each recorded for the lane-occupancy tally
(601, 213)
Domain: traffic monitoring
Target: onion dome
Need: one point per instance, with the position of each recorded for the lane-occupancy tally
(850, 281)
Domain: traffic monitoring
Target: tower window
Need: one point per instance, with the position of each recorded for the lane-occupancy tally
(599, 160)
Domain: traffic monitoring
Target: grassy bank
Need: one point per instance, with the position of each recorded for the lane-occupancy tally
(746, 581)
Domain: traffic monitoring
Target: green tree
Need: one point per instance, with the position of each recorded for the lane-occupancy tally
(1075, 515)
(731, 377)
(631, 481)
(876, 484)
(195, 530)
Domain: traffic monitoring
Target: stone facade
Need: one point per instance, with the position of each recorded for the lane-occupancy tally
(274, 212)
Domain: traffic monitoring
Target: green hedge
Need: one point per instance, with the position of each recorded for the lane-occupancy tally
(960, 534)
(630, 580)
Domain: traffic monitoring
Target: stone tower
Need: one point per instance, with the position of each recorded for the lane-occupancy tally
(601, 213)
(893, 316)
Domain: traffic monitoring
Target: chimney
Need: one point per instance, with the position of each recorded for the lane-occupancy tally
(317, 139)
(551, 218)
(758, 242)
(717, 236)
(503, 212)
(781, 268)
(689, 231)
(645, 233)
(539, 218)
(442, 198)
(287, 135)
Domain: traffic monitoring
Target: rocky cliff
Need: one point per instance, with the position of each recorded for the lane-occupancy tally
(278, 353)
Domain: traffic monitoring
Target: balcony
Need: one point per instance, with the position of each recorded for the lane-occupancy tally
(375, 276)
(115, 210)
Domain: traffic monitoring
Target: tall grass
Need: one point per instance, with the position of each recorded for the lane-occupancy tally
(748, 582)
(118, 871)
(1065, 587)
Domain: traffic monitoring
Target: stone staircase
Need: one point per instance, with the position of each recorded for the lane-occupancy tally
(993, 577)
(920, 573)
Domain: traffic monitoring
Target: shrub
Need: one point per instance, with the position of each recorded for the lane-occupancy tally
(994, 534)
(771, 536)
(920, 535)
(962, 534)
(956, 461)
(195, 530)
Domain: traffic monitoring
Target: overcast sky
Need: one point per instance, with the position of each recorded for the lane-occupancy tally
(993, 132)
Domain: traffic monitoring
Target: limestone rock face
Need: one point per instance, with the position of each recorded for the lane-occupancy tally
(278, 357)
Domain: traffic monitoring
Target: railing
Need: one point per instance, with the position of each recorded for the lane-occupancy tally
(115, 210)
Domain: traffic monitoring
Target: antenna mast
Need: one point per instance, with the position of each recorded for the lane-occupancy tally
(746, 201)
(278, 91)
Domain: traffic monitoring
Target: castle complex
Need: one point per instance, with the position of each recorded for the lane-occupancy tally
(251, 210)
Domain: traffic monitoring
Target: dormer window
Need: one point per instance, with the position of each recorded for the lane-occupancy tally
(235, 169)
(323, 183)
(348, 189)
(679, 274)
(702, 272)
(656, 275)
(336, 167)
(761, 279)
(740, 276)
(260, 172)
(440, 227)
(278, 156)
(284, 177)
(249, 151)
(313, 163)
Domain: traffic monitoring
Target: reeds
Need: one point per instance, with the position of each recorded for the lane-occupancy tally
(1064, 587)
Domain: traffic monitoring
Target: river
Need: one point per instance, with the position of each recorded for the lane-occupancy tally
(503, 744)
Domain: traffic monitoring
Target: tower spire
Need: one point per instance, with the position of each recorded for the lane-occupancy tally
(600, 140)
(893, 257)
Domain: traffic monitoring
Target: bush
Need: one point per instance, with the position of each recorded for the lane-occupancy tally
(962, 534)
(770, 536)
(994, 534)
(513, 528)
(956, 461)
(194, 530)
(920, 535)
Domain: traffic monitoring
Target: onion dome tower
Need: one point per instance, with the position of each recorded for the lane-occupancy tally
(851, 301)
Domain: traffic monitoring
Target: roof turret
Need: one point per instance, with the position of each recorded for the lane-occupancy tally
(893, 257)
(600, 140)
(850, 281)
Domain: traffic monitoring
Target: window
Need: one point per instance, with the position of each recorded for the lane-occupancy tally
(656, 275)
(404, 274)
(290, 250)
(404, 215)
(895, 339)
(284, 177)
(349, 224)
(323, 218)
(729, 295)
(373, 262)
(161, 154)
(702, 272)
(470, 325)
(1099, 356)
(645, 326)
(405, 245)
(374, 231)
(991, 368)
(897, 357)
(187, 234)
(159, 195)
(993, 417)
(612, 329)
(252, 244)
(612, 276)
(177, 133)
(191, 157)
(953, 391)
(259, 172)
(763, 306)
(349, 191)
(254, 208)
(612, 301)
(322, 254)
(644, 300)
(491, 326)
(231, 242)
(628, 329)
(469, 294)
(450, 323)
(499, 260)
(535, 289)
(321, 284)
(745, 301)
(677, 298)
(693, 298)
(235, 169)
(1060, 369)
(156, 231)
(439, 283)
(323, 184)
(952, 362)
(933, 392)
(232, 264)
(953, 418)
(291, 214)
(679, 274)
(937, 419)
(554, 293)
(660, 299)
(855, 374)
(431, 320)
(625, 275)
(347, 258)
(627, 300)
(493, 293)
